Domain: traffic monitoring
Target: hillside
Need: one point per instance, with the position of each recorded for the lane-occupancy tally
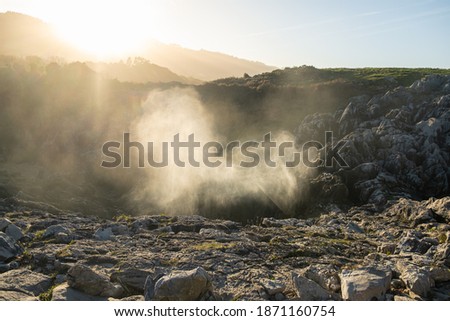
(202, 64)
(138, 70)
(22, 35)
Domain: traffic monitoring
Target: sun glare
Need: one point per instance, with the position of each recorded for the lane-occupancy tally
(102, 40)
(105, 30)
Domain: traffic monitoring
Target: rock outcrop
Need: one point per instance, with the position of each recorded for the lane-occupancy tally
(396, 144)
(358, 253)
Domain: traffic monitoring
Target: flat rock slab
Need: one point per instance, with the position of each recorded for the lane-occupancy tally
(16, 296)
(25, 281)
(365, 284)
(65, 293)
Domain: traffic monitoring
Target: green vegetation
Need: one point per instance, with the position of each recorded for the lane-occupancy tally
(47, 295)
(309, 75)
(65, 251)
(123, 218)
(442, 238)
(213, 245)
(39, 235)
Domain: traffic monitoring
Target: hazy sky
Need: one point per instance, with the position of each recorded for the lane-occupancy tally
(351, 33)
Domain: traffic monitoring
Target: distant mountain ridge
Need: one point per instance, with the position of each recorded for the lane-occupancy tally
(23, 35)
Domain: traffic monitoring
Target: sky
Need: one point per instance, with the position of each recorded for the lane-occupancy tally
(282, 33)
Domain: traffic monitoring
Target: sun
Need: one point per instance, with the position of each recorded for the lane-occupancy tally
(102, 40)
(104, 30)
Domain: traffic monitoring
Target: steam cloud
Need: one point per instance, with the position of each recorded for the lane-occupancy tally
(215, 192)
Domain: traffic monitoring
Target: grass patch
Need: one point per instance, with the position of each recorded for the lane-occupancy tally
(39, 235)
(123, 218)
(214, 245)
(442, 238)
(65, 251)
(47, 295)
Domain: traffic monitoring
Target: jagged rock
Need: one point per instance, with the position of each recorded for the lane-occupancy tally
(440, 207)
(119, 229)
(132, 280)
(241, 260)
(104, 234)
(14, 232)
(354, 228)
(413, 242)
(443, 254)
(397, 284)
(413, 211)
(330, 187)
(314, 126)
(395, 144)
(181, 286)
(149, 288)
(145, 223)
(4, 267)
(365, 284)
(273, 287)
(4, 223)
(430, 83)
(51, 231)
(440, 273)
(10, 229)
(8, 248)
(324, 275)
(387, 248)
(417, 279)
(81, 277)
(308, 290)
(25, 281)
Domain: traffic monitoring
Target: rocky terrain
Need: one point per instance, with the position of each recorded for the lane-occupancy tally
(400, 253)
(380, 229)
(396, 144)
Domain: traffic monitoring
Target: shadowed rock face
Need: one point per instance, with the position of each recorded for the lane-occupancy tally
(396, 144)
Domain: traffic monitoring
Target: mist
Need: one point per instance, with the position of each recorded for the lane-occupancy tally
(56, 117)
(224, 191)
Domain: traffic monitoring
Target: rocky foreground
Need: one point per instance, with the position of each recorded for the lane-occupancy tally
(399, 253)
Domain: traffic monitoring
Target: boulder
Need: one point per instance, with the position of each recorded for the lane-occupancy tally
(14, 232)
(324, 275)
(51, 231)
(132, 280)
(83, 278)
(440, 273)
(417, 279)
(8, 248)
(273, 287)
(308, 290)
(104, 234)
(180, 286)
(10, 229)
(365, 284)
